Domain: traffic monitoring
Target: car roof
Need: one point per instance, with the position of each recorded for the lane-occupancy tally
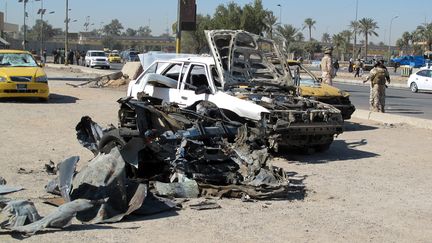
(95, 51)
(13, 51)
(208, 60)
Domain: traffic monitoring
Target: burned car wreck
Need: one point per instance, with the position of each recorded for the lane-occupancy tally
(158, 152)
(249, 80)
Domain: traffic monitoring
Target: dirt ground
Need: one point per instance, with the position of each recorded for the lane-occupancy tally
(372, 185)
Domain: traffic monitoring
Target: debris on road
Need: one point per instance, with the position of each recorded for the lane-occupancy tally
(157, 153)
(116, 79)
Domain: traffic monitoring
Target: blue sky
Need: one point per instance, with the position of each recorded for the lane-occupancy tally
(332, 16)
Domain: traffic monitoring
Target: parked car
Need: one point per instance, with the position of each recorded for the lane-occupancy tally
(255, 88)
(95, 58)
(22, 76)
(129, 56)
(421, 80)
(114, 58)
(413, 61)
(311, 87)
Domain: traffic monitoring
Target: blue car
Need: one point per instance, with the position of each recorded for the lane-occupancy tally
(413, 61)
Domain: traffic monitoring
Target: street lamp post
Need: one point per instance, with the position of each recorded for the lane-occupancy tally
(391, 22)
(24, 26)
(280, 13)
(66, 32)
(42, 12)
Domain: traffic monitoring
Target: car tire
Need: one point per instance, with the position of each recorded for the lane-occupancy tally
(414, 87)
(110, 140)
(43, 100)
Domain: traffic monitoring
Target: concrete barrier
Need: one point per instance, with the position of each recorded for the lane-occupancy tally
(132, 70)
(392, 119)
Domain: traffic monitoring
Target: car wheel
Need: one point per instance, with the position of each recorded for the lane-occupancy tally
(414, 87)
(44, 100)
(110, 140)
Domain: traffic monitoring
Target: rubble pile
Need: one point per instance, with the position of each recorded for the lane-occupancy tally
(157, 154)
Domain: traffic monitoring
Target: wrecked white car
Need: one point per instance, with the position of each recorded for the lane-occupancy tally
(249, 80)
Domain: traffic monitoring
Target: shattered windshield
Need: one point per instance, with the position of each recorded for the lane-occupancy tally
(245, 58)
(17, 60)
(303, 77)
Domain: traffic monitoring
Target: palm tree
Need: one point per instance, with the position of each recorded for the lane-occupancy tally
(269, 22)
(326, 38)
(338, 43)
(287, 32)
(346, 34)
(354, 27)
(425, 34)
(367, 27)
(309, 23)
(299, 37)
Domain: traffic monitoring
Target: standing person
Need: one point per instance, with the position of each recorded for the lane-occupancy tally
(335, 67)
(44, 54)
(327, 66)
(62, 54)
(357, 65)
(70, 57)
(350, 65)
(55, 54)
(83, 54)
(77, 57)
(378, 77)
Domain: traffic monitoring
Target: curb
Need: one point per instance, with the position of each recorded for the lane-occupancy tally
(392, 119)
(82, 69)
(360, 83)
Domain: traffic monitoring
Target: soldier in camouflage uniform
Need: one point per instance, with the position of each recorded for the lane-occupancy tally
(327, 66)
(378, 77)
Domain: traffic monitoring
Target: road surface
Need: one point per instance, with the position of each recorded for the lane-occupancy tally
(398, 100)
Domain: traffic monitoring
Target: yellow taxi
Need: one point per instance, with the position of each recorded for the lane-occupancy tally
(22, 76)
(114, 57)
(312, 87)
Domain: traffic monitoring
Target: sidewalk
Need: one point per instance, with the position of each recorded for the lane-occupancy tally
(74, 72)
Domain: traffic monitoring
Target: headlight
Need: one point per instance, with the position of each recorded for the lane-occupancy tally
(2, 79)
(42, 79)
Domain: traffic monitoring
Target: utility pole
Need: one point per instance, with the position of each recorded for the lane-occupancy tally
(389, 44)
(24, 44)
(66, 32)
(178, 35)
(280, 14)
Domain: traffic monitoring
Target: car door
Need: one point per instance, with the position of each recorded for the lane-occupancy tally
(421, 79)
(428, 80)
(195, 85)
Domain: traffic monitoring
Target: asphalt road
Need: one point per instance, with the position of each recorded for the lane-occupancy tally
(398, 101)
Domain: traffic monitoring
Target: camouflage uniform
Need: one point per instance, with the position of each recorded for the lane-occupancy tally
(378, 76)
(327, 67)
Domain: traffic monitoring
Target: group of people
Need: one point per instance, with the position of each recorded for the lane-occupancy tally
(72, 57)
(378, 76)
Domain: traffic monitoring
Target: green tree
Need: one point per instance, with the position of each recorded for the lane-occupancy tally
(338, 41)
(312, 47)
(228, 17)
(114, 28)
(195, 41)
(424, 32)
(287, 34)
(144, 31)
(326, 38)
(270, 22)
(253, 17)
(299, 37)
(34, 33)
(367, 27)
(354, 27)
(130, 32)
(346, 34)
(309, 23)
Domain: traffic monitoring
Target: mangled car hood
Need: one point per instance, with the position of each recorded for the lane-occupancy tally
(244, 58)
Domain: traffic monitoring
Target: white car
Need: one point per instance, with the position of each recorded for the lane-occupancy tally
(253, 89)
(421, 80)
(96, 58)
